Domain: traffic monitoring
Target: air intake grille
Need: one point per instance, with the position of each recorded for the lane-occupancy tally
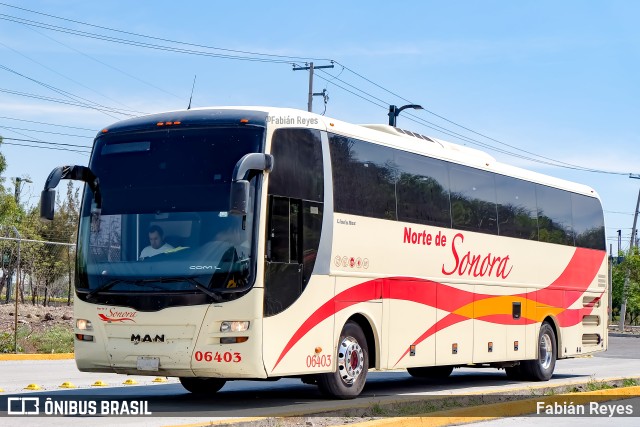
(591, 320)
(590, 339)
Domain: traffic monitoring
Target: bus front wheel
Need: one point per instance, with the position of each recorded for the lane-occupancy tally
(202, 385)
(352, 360)
(541, 369)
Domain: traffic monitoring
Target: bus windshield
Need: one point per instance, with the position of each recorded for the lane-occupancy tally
(164, 224)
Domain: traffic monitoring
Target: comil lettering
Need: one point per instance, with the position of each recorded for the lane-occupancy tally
(477, 265)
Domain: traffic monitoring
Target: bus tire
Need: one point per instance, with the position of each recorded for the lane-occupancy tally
(352, 364)
(202, 385)
(541, 369)
(434, 372)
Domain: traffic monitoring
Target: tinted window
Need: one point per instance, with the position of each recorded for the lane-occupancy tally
(423, 190)
(473, 200)
(517, 213)
(554, 215)
(588, 222)
(363, 178)
(297, 170)
(181, 170)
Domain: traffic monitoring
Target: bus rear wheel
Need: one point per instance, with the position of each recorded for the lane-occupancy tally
(435, 372)
(352, 360)
(541, 369)
(202, 385)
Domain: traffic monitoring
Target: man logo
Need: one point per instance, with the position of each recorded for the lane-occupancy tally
(136, 339)
(201, 267)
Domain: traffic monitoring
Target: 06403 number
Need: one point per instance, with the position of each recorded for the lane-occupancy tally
(209, 356)
(318, 361)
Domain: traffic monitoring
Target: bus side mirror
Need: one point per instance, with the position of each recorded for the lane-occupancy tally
(239, 197)
(76, 173)
(47, 204)
(240, 186)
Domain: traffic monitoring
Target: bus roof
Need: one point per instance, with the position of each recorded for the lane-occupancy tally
(276, 117)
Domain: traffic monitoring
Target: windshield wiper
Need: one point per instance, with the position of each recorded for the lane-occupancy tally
(112, 283)
(198, 286)
(103, 287)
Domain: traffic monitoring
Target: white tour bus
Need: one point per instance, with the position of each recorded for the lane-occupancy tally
(232, 243)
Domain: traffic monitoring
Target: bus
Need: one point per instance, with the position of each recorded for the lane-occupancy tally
(241, 243)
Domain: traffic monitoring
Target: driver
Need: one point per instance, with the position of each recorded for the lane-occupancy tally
(157, 244)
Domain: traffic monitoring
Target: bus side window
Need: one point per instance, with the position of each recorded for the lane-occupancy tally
(294, 224)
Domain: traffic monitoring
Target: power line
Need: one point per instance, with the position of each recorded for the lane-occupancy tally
(170, 40)
(281, 59)
(44, 131)
(122, 41)
(60, 74)
(430, 125)
(47, 124)
(85, 102)
(48, 143)
(46, 148)
(622, 213)
(57, 100)
(105, 64)
(41, 143)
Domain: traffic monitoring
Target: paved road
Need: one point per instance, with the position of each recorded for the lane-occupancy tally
(250, 398)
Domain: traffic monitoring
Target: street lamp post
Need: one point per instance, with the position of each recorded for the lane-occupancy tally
(394, 111)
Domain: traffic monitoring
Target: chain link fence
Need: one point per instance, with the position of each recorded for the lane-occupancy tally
(34, 275)
(42, 271)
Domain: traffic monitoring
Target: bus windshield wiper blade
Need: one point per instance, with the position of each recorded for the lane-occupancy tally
(203, 288)
(112, 283)
(195, 283)
(103, 287)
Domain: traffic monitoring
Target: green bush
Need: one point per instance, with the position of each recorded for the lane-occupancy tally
(6, 343)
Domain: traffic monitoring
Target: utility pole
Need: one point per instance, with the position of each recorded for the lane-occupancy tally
(610, 289)
(623, 308)
(18, 187)
(311, 67)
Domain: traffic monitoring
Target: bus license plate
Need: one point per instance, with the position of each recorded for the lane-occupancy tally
(148, 363)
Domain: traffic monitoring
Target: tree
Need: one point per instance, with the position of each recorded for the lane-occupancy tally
(49, 264)
(630, 266)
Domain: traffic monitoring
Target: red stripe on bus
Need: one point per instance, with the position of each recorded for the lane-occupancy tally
(351, 296)
(576, 277)
(449, 320)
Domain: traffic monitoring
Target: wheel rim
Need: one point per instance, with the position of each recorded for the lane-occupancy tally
(350, 360)
(546, 351)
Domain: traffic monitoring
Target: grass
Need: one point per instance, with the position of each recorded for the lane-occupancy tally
(7, 340)
(593, 385)
(56, 340)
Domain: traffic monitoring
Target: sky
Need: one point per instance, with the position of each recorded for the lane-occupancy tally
(554, 79)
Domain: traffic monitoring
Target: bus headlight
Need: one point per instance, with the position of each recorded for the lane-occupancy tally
(84, 325)
(234, 326)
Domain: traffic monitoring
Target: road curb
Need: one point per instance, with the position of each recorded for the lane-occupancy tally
(444, 417)
(55, 356)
